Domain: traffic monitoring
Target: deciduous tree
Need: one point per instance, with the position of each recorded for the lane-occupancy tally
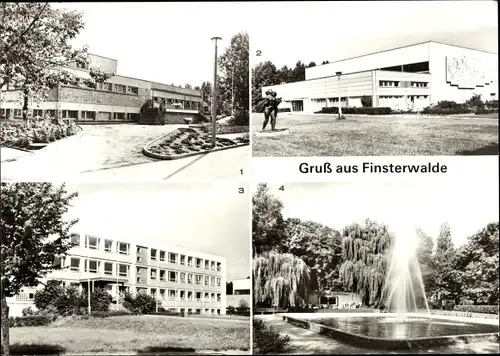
(34, 231)
(263, 74)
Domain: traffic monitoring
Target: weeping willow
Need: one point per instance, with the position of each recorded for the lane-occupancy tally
(280, 279)
(364, 252)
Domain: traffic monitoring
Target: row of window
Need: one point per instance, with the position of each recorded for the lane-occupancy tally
(186, 296)
(333, 100)
(401, 96)
(123, 270)
(396, 84)
(117, 88)
(96, 243)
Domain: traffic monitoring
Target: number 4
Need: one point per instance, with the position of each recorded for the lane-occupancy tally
(282, 188)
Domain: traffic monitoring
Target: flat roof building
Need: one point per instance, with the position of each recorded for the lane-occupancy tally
(405, 78)
(182, 279)
(119, 98)
(241, 293)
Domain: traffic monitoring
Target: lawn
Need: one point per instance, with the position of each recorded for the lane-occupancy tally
(322, 135)
(137, 333)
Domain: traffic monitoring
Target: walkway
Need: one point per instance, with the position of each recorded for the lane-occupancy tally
(303, 341)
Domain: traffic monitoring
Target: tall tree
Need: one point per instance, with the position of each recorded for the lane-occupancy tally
(319, 246)
(34, 232)
(299, 72)
(280, 280)
(312, 64)
(364, 251)
(35, 50)
(235, 77)
(268, 225)
(263, 74)
(425, 256)
(206, 93)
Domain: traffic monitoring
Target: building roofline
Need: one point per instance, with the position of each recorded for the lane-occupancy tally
(152, 82)
(400, 47)
(98, 55)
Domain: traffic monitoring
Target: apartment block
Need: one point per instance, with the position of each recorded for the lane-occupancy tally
(183, 280)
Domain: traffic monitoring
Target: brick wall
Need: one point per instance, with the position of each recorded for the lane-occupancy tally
(92, 96)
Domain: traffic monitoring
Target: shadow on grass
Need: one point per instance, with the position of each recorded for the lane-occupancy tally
(36, 349)
(488, 150)
(165, 350)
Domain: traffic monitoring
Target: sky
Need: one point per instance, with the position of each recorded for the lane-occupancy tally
(163, 42)
(402, 206)
(318, 31)
(206, 217)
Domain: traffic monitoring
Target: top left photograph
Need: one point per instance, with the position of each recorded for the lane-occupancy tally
(123, 92)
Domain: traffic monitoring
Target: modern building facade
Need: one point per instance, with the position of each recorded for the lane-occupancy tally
(182, 280)
(241, 293)
(119, 98)
(334, 300)
(405, 78)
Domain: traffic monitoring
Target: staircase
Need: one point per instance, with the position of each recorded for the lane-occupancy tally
(150, 116)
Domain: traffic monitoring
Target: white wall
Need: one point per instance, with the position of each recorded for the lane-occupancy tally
(442, 90)
(405, 55)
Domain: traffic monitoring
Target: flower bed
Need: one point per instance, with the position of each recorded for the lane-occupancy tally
(22, 134)
(186, 142)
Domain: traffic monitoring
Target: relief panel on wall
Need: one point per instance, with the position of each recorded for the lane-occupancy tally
(467, 72)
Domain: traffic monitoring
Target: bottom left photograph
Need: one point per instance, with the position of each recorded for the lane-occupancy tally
(125, 268)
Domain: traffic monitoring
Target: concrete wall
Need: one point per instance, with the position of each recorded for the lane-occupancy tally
(93, 96)
(398, 56)
(235, 300)
(480, 67)
(107, 65)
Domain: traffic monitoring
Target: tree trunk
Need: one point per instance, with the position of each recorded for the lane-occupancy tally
(5, 327)
(25, 105)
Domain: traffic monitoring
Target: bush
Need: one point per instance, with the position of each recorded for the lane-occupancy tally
(285, 110)
(356, 110)
(367, 101)
(100, 300)
(266, 340)
(483, 309)
(28, 311)
(105, 314)
(492, 104)
(32, 320)
(140, 303)
(230, 310)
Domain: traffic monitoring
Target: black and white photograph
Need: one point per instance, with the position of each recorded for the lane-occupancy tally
(376, 78)
(125, 268)
(123, 91)
(378, 268)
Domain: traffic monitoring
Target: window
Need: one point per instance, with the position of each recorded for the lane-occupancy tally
(190, 261)
(58, 262)
(70, 114)
(172, 294)
(105, 86)
(104, 116)
(198, 279)
(123, 270)
(153, 253)
(82, 65)
(219, 266)
(120, 88)
(162, 255)
(198, 296)
(123, 248)
(107, 245)
(182, 260)
(153, 292)
(75, 240)
(162, 293)
(51, 113)
(132, 117)
(212, 266)
(172, 276)
(182, 295)
(172, 257)
(207, 280)
(218, 282)
(153, 273)
(87, 115)
(91, 266)
(139, 259)
(92, 242)
(190, 296)
(218, 297)
(120, 116)
(75, 264)
(207, 264)
(182, 277)
(212, 281)
(212, 297)
(190, 278)
(198, 263)
(37, 112)
(207, 297)
(163, 275)
(132, 90)
(108, 268)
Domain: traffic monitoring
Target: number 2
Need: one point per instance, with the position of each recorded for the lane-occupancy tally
(258, 53)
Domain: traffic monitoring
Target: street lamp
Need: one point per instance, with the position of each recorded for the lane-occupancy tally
(214, 93)
(340, 107)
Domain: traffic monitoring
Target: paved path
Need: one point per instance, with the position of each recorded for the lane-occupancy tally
(109, 152)
(303, 341)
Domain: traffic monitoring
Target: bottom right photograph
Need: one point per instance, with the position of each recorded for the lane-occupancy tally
(375, 268)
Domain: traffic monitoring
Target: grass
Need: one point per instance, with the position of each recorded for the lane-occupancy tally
(137, 333)
(323, 135)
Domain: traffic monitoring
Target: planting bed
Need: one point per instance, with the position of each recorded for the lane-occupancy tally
(185, 142)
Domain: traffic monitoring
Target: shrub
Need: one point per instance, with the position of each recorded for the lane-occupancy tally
(484, 309)
(285, 110)
(475, 102)
(46, 296)
(100, 300)
(28, 311)
(32, 320)
(356, 110)
(140, 303)
(266, 340)
(105, 314)
(492, 104)
(230, 310)
(366, 101)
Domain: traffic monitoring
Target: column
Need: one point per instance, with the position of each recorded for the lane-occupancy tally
(374, 89)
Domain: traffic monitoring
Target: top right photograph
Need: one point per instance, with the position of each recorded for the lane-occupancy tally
(380, 78)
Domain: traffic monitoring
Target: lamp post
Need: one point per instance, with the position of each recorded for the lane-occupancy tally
(214, 93)
(340, 107)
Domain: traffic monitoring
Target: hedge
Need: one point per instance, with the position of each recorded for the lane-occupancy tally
(285, 110)
(483, 309)
(106, 314)
(32, 320)
(356, 110)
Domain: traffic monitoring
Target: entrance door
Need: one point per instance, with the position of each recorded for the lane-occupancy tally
(297, 105)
